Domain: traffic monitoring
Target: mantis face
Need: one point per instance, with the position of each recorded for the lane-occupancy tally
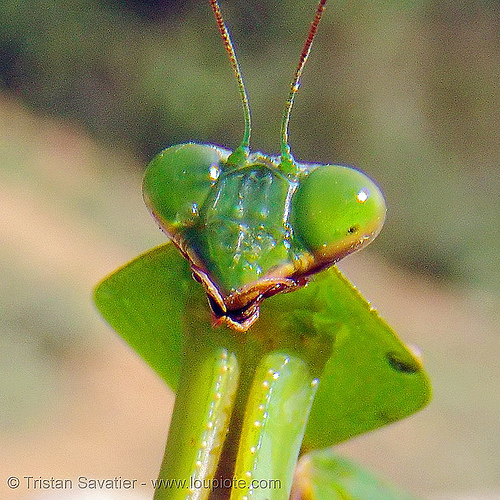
(249, 230)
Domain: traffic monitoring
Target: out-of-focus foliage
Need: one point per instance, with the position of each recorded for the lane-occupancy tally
(408, 91)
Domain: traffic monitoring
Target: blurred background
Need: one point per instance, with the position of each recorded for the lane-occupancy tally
(407, 90)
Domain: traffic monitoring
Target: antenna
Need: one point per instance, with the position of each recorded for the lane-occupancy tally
(286, 155)
(228, 45)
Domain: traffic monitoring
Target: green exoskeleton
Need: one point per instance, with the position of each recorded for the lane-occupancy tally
(261, 374)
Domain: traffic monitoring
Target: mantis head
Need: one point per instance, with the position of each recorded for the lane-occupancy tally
(253, 225)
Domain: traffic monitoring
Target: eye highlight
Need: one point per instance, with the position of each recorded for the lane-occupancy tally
(363, 195)
(336, 210)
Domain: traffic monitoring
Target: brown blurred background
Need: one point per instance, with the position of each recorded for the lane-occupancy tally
(89, 91)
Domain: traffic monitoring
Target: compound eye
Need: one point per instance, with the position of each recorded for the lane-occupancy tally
(336, 210)
(178, 180)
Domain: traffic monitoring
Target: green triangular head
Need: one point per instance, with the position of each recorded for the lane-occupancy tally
(250, 231)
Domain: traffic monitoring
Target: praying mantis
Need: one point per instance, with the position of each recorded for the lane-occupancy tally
(271, 351)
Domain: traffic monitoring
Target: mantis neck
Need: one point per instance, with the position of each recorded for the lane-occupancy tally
(238, 421)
